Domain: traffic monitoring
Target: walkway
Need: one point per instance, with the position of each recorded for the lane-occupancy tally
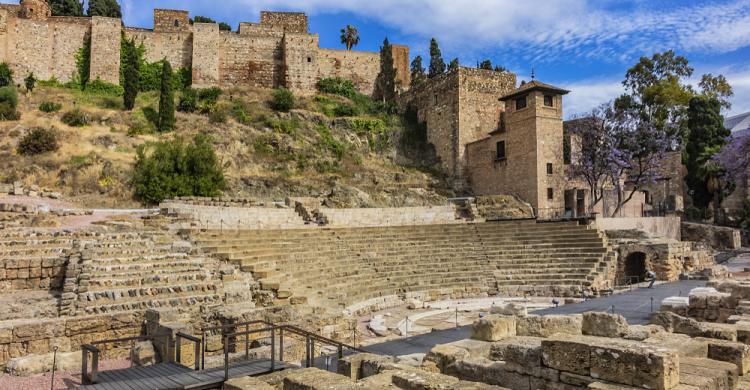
(635, 306)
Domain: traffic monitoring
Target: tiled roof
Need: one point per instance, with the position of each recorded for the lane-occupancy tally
(534, 85)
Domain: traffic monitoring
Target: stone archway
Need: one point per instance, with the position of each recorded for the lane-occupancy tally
(635, 266)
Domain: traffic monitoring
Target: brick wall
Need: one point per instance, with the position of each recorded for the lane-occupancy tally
(169, 20)
(301, 60)
(205, 59)
(292, 22)
(360, 67)
(32, 274)
(105, 49)
(254, 62)
(176, 47)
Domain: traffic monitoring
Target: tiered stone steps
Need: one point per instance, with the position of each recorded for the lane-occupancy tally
(32, 260)
(140, 271)
(348, 265)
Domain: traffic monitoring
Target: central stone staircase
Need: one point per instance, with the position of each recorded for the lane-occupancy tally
(343, 266)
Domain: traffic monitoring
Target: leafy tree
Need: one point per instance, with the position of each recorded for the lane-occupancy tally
(453, 65)
(337, 86)
(717, 87)
(385, 83)
(108, 8)
(8, 104)
(707, 136)
(486, 65)
(6, 75)
(500, 68)
(349, 36)
(30, 82)
(131, 73)
(166, 99)
(66, 7)
(417, 72)
(173, 168)
(437, 65)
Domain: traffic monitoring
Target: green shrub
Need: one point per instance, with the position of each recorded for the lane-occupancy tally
(375, 130)
(344, 110)
(8, 104)
(328, 166)
(337, 86)
(188, 100)
(283, 126)
(6, 75)
(38, 141)
(53, 82)
(99, 87)
(110, 103)
(30, 82)
(50, 107)
(209, 95)
(82, 160)
(151, 115)
(217, 114)
(174, 168)
(263, 145)
(334, 146)
(151, 72)
(282, 100)
(140, 124)
(239, 112)
(76, 118)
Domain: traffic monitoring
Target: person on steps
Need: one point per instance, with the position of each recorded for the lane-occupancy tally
(651, 275)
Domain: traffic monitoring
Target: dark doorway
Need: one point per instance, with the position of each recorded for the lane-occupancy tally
(635, 267)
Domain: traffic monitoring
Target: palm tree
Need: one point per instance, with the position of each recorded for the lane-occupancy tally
(349, 36)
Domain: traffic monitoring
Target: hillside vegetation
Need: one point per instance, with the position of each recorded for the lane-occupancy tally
(342, 146)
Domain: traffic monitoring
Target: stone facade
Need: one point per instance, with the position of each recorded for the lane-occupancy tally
(459, 108)
(531, 162)
(277, 52)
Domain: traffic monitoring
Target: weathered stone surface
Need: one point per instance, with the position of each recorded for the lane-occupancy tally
(510, 309)
(604, 324)
(444, 358)
(351, 366)
(567, 354)
(724, 375)
(247, 383)
(684, 345)
(314, 379)
(546, 326)
(731, 352)
(641, 332)
(30, 365)
(421, 380)
(143, 354)
(493, 328)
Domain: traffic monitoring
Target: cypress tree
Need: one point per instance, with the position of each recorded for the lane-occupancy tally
(385, 87)
(454, 64)
(166, 99)
(66, 7)
(707, 134)
(417, 71)
(131, 74)
(108, 8)
(437, 65)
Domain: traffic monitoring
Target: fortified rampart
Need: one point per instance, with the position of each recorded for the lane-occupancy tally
(277, 52)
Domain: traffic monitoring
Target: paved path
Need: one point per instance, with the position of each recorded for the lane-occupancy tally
(635, 306)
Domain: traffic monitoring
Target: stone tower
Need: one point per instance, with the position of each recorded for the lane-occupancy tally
(35, 9)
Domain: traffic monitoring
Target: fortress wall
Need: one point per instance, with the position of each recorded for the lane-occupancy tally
(251, 61)
(301, 59)
(438, 103)
(291, 22)
(30, 45)
(69, 38)
(105, 49)
(402, 64)
(358, 66)
(176, 47)
(205, 59)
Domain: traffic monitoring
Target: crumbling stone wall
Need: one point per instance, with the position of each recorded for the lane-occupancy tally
(360, 67)
(718, 237)
(169, 20)
(668, 259)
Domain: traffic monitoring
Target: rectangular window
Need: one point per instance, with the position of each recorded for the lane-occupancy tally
(550, 194)
(500, 151)
(548, 101)
(549, 168)
(521, 103)
(436, 99)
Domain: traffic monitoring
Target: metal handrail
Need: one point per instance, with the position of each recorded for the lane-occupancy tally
(95, 352)
(178, 346)
(224, 328)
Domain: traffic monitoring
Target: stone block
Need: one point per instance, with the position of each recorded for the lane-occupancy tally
(510, 309)
(30, 365)
(521, 350)
(421, 380)
(604, 324)
(567, 354)
(731, 352)
(246, 383)
(314, 379)
(546, 326)
(351, 366)
(445, 357)
(635, 366)
(143, 354)
(684, 345)
(723, 375)
(493, 328)
(643, 332)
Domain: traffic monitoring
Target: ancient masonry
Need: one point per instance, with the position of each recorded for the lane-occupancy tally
(278, 51)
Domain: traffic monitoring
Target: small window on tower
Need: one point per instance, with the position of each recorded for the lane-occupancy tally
(521, 103)
(176, 23)
(550, 194)
(309, 59)
(500, 151)
(548, 101)
(549, 168)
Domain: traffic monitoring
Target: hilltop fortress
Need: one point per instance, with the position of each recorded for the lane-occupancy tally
(277, 52)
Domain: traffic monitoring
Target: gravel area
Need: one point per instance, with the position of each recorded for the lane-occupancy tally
(63, 380)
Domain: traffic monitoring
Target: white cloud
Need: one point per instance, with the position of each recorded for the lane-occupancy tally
(550, 30)
(586, 95)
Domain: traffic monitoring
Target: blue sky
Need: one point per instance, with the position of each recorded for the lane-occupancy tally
(583, 45)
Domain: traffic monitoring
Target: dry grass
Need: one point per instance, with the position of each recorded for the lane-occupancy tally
(94, 162)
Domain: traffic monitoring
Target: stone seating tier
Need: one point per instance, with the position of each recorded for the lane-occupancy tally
(343, 266)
